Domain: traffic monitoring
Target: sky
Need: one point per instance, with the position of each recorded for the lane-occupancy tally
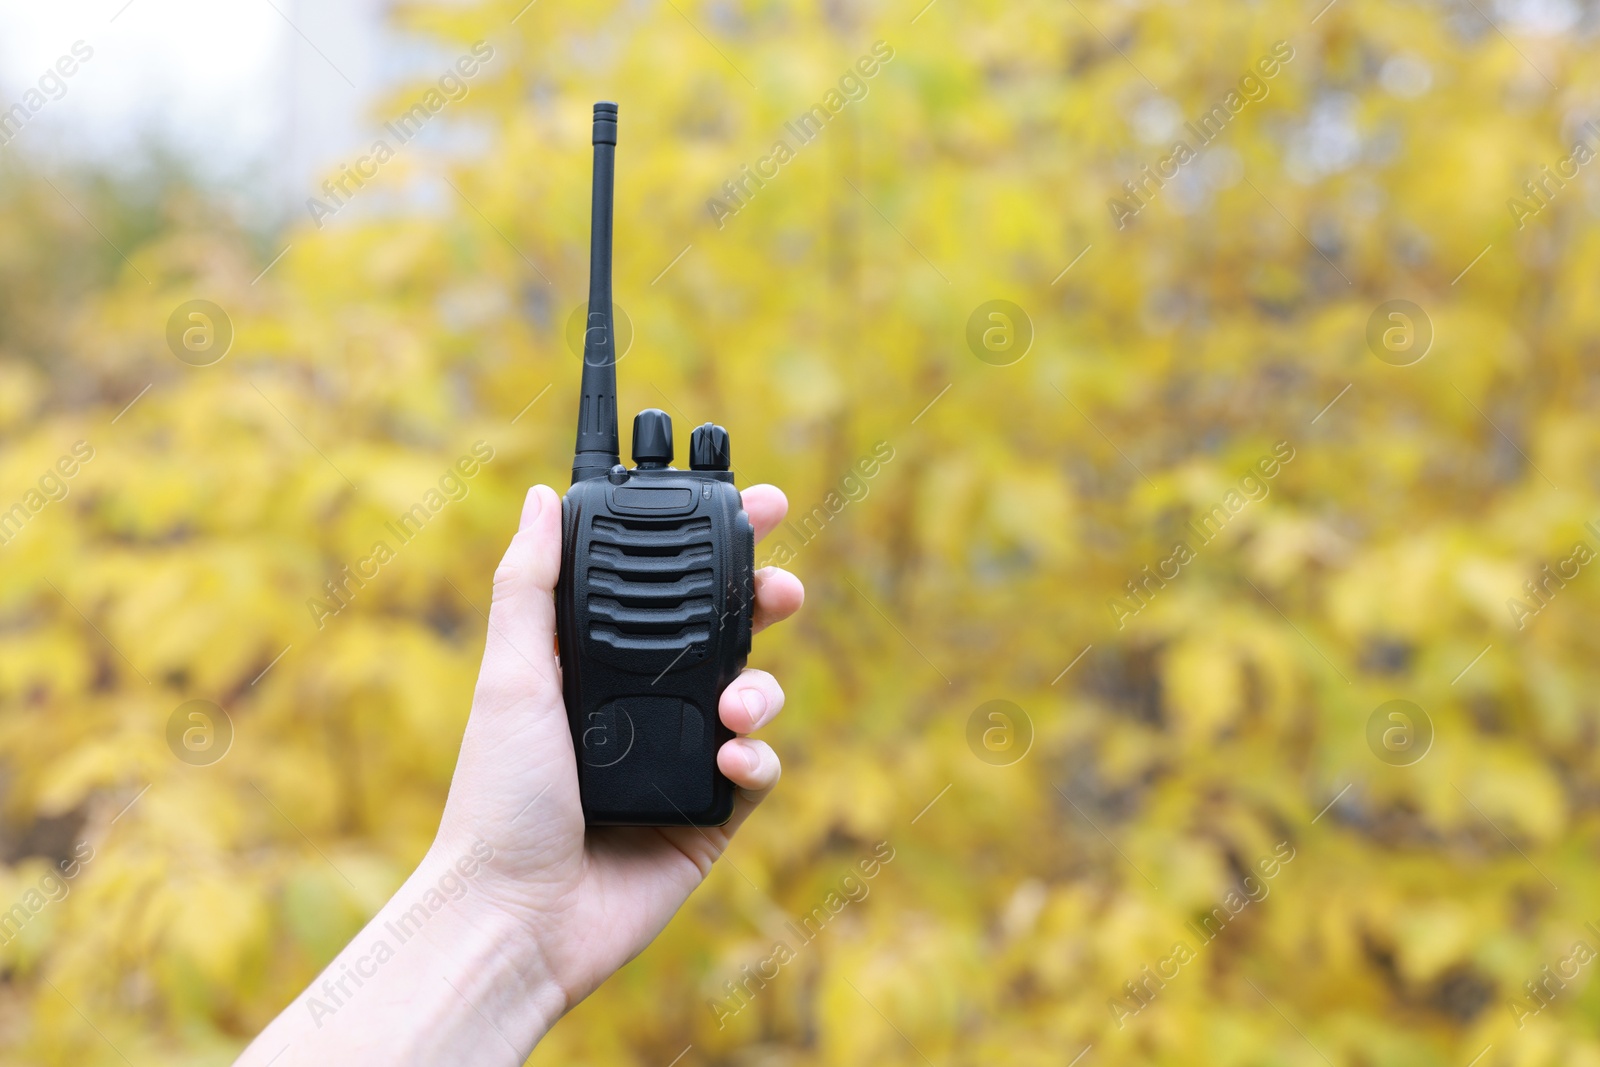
(267, 92)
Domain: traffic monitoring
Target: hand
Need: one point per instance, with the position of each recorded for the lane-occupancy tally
(516, 913)
(590, 902)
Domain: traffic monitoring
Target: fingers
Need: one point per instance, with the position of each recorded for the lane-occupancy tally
(750, 702)
(753, 700)
(518, 654)
(751, 765)
(766, 505)
(779, 594)
(753, 768)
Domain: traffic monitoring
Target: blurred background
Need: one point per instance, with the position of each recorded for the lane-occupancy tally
(1186, 411)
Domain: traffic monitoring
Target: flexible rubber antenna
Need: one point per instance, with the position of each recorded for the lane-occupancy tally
(597, 448)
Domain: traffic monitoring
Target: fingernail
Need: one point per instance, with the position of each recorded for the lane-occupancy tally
(755, 705)
(752, 758)
(531, 506)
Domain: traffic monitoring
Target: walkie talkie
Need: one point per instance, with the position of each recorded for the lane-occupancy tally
(656, 595)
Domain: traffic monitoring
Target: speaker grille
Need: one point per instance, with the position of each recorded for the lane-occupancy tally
(651, 583)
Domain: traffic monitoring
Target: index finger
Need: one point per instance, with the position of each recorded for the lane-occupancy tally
(766, 505)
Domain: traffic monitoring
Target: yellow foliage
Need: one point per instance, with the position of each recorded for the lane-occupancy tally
(1190, 723)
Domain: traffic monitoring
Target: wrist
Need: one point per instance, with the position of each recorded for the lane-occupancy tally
(488, 960)
(435, 977)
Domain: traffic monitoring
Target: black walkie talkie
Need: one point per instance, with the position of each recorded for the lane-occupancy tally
(654, 605)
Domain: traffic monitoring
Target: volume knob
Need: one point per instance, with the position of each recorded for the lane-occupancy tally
(652, 439)
(708, 449)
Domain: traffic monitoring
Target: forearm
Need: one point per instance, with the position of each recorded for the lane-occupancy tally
(457, 983)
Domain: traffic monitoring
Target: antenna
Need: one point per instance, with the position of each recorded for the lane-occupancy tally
(597, 449)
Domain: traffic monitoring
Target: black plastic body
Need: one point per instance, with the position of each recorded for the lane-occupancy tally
(653, 614)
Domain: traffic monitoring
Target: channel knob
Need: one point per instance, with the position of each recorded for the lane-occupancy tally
(708, 449)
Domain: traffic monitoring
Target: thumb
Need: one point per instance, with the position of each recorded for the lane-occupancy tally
(519, 653)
